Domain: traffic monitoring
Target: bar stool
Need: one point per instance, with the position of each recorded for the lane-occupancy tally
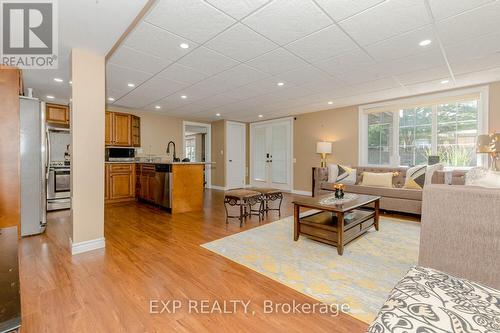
(269, 194)
(245, 199)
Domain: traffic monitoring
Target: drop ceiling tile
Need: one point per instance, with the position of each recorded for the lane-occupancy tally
(284, 21)
(445, 8)
(241, 43)
(237, 76)
(436, 73)
(276, 62)
(345, 63)
(326, 43)
(118, 77)
(386, 20)
(158, 42)
(403, 45)
(342, 9)
(180, 73)
(418, 62)
(207, 61)
(128, 57)
(474, 48)
(303, 75)
(172, 102)
(149, 92)
(477, 64)
(192, 19)
(469, 25)
(238, 8)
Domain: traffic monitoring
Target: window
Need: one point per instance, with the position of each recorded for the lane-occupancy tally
(191, 149)
(406, 135)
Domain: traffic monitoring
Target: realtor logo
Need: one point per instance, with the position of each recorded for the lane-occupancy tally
(29, 34)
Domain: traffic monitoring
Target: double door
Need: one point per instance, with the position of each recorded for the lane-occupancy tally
(271, 154)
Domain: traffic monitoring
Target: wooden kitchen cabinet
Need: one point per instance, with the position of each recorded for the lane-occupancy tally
(147, 184)
(120, 182)
(57, 114)
(106, 182)
(122, 129)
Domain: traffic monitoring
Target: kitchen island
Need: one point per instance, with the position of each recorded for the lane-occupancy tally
(175, 186)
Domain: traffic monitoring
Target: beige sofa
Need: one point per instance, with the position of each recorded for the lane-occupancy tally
(393, 199)
(456, 283)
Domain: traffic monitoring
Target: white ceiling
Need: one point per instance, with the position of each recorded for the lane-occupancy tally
(344, 52)
(95, 25)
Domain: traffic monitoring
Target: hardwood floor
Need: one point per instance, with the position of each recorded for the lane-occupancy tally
(153, 255)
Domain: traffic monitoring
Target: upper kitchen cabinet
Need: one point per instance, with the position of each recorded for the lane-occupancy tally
(122, 129)
(57, 114)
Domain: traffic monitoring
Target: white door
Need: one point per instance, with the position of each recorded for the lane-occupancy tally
(236, 154)
(271, 154)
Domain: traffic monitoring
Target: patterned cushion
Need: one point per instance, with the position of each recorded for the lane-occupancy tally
(430, 301)
(415, 177)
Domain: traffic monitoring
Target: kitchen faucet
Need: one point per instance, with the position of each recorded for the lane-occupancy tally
(168, 151)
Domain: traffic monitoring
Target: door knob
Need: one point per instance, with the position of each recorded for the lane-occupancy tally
(230, 160)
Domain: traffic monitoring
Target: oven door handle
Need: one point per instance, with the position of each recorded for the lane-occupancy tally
(47, 153)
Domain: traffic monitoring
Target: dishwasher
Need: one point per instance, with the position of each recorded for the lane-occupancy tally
(163, 175)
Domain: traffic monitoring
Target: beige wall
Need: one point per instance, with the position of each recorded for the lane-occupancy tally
(87, 158)
(218, 153)
(494, 116)
(156, 131)
(339, 126)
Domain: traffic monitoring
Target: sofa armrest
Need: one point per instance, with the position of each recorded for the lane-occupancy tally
(460, 232)
(319, 177)
(456, 177)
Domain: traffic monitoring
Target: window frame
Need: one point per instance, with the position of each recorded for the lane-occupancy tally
(395, 105)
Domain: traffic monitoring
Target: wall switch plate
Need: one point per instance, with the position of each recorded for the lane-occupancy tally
(222, 152)
(294, 160)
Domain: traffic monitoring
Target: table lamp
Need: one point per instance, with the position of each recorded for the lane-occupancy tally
(323, 148)
(489, 144)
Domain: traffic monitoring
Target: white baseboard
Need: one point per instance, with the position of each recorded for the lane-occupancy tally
(90, 245)
(220, 188)
(306, 193)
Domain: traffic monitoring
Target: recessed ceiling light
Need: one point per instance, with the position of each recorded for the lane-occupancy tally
(425, 42)
(184, 46)
(157, 107)
(330, 103)
(280, 84)
(111, 99)
(184, 96)
(58, 79)
(131, 85)
(50, 97)
(445, 81)
(70, 82)
(260, 116)
(217, 114)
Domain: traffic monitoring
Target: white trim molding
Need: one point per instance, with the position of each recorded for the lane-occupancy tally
(393, 105)
(299, 192)
(90, 245)
(208, 147)
(215, 187)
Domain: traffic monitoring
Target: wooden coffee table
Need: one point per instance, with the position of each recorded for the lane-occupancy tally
(335, 224)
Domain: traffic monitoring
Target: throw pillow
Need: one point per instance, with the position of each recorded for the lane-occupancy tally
(378, 179)
(346, 175)
(430, 171)
(333, 172)
(415, 177)
(482, 177)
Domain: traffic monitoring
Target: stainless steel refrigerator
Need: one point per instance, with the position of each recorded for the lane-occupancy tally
(33, 151)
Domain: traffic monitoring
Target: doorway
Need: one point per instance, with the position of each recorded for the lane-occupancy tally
(236, 154)
(271, 158)
(196, 145)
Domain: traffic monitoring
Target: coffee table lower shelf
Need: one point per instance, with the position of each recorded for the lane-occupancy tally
(324, 227)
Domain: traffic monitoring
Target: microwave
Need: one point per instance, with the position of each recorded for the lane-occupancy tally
(120, 154)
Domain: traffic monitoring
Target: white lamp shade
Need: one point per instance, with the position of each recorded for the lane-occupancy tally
(324, 147)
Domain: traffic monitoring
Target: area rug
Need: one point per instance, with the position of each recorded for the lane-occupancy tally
(363, 277)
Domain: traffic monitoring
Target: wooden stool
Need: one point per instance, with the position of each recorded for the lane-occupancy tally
(245, 199)
(269, 194)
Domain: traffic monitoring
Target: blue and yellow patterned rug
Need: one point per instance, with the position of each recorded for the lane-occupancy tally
(362, 277)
